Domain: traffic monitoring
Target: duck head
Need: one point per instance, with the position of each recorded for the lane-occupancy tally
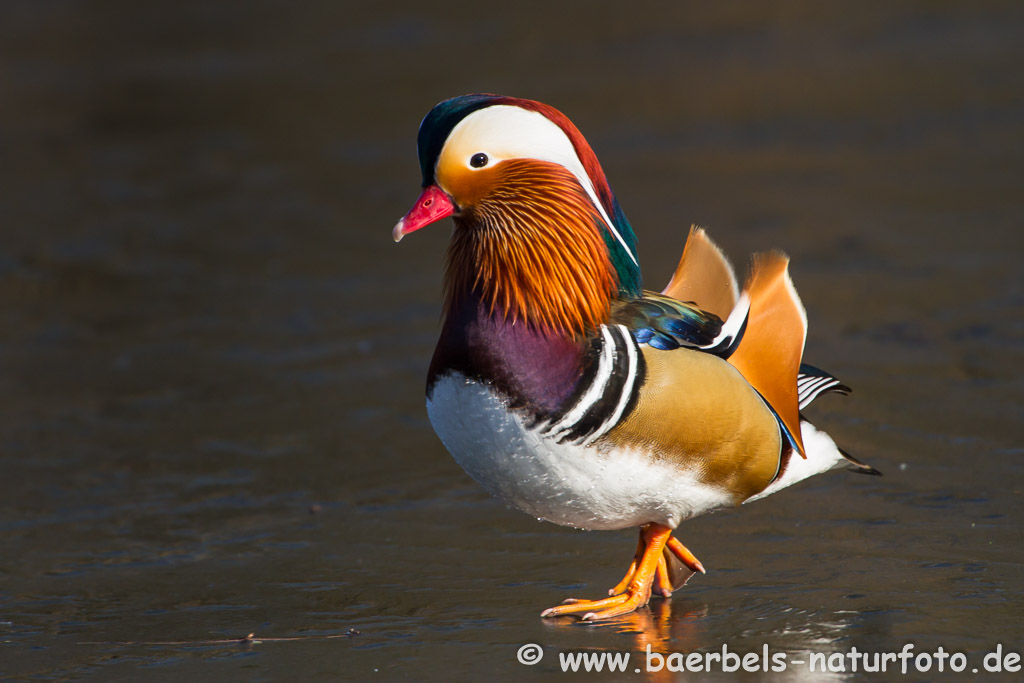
(539, 236)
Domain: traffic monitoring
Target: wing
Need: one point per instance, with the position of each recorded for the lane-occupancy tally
(666, 324)
(772, 347)
(762, 337)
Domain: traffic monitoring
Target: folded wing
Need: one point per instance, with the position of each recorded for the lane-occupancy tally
(769, 342)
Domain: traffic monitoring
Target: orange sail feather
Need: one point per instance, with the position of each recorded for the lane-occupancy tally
(704, 276)
(773, 344)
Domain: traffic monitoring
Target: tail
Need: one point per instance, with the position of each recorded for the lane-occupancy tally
(858, 466)
(823, 454)
(769, 353)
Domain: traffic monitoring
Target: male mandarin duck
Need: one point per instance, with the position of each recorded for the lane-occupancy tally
(569, 391)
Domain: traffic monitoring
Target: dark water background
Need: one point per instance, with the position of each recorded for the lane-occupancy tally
(212, 356)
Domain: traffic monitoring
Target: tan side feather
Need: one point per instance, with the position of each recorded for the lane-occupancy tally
(700, 413)
(773, 343)
(704, 276)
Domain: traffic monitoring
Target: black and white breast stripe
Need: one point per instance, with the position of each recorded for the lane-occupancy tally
(608, 391)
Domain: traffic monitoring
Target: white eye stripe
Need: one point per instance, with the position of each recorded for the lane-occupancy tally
(505, 131)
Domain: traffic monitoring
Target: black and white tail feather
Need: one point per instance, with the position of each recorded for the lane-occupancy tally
(812, 382)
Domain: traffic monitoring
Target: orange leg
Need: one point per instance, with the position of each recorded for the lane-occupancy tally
(638, 591)
(621, 586)
(662, 582)
(662, 579)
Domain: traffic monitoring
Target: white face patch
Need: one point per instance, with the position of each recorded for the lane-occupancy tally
(504, 131)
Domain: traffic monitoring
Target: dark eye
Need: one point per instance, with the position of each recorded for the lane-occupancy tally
(479, 160)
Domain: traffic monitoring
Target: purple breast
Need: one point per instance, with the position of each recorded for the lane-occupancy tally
(537, 371)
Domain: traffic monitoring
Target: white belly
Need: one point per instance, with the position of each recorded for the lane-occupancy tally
(589, 487)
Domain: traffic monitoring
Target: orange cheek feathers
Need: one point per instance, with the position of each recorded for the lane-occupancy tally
(467, 186)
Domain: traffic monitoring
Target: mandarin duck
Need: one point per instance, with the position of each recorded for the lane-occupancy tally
(569, 391)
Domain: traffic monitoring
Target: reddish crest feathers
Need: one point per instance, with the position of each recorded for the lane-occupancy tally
(773, 344)
(704, 276)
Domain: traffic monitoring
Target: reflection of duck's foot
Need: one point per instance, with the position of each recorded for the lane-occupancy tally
(648, 571)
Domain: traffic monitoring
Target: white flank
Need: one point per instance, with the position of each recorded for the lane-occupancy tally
(822, 455)
(588, 487)
(504, 131)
